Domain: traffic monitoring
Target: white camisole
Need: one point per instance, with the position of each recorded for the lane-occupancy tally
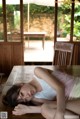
(49, 93)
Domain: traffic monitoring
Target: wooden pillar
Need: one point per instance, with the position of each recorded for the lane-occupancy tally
(76, 54)
(21, 29)
(4, 20)
(72, 21)
(55, 20)
(21, 19)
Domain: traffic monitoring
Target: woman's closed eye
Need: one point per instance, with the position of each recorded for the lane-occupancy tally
(21, 95)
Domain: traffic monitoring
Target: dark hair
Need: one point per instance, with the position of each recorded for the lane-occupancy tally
(10, 98)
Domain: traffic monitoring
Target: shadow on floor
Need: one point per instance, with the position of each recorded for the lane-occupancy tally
(38, 63)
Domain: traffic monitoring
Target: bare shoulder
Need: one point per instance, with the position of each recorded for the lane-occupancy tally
(36, 84)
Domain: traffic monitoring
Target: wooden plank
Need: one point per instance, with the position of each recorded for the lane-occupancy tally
(10, 54)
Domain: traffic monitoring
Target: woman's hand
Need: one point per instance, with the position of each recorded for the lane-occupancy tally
(21, 109)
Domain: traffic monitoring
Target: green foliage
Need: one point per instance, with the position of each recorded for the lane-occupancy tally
(77, 29)
(41, 9)
(34, 9)
(0, 9)
(10, 9)
(67, 21)
(65, 8)
(77, 22)
(1, 14)
(37, 9)
(66, 25)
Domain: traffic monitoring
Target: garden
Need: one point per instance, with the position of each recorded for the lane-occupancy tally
(42, 19)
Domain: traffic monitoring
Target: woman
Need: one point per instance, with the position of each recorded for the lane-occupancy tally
(43, 90)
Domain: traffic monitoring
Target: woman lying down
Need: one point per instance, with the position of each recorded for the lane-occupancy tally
(51, 92)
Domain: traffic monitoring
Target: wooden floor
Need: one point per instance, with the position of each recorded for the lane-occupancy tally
(35, 52)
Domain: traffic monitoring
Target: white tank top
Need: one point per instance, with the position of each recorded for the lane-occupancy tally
(47, 91)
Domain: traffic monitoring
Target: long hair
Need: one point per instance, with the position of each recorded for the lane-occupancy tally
(10, 98)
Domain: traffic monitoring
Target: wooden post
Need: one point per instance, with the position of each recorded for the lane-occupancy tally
(55, 20)
(4, 20)
(72, 21)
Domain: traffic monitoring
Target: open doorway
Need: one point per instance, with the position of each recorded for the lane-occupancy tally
(35, 52)
(41, 24)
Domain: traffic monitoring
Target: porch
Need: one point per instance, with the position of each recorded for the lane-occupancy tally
(35, 52)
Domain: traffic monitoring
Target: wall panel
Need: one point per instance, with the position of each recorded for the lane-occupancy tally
(17, 53)
(1, 58)
(10, 54)
(76, 54)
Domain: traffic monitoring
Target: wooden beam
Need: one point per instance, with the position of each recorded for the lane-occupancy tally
(21, 19)
(4, 20)
(55, 20)
(72, 21)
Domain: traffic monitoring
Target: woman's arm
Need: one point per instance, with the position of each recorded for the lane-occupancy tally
(24, 109)
(46, 75)
(73, 108)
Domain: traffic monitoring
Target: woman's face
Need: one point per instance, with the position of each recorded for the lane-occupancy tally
(26, 93)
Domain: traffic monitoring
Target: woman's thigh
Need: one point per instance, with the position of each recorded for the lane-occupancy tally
(49, 110)
(74, 106)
